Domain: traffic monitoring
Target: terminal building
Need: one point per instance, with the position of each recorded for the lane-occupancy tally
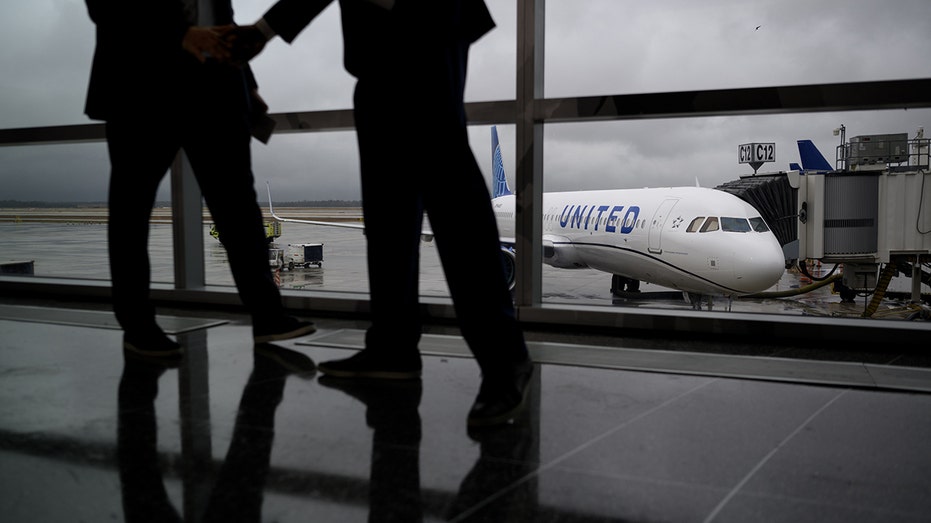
(634, 413)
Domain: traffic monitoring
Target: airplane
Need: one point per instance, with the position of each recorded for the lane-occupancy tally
(702, 241)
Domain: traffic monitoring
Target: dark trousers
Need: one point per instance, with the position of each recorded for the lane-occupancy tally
(415, 158)
(212, 127)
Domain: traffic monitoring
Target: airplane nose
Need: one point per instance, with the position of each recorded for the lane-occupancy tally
(762, 266)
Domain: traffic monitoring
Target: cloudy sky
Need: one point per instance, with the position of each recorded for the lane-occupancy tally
(593, 47)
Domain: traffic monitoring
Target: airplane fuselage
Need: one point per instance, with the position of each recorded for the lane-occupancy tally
(694, 239)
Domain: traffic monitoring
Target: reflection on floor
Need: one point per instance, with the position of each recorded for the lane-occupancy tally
(237, 434)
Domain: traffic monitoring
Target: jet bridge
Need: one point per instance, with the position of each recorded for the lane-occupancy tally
(874, 210)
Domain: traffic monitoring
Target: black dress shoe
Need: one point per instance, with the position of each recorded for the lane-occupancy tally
(374, 364)
(284, 328)
(501, 397)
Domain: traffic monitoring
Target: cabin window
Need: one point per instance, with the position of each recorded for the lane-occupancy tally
(696, 223)
(711, 224)
(758, 224)
(735, 224)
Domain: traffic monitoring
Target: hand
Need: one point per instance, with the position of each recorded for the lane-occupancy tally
(245, 42)
(207, 42)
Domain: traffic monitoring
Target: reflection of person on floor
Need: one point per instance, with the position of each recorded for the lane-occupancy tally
(238, 492)
(392, 414)
(144, 496)
(500, 474)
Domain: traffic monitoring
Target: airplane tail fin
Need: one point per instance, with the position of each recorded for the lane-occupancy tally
(500, 185)
(812, 159)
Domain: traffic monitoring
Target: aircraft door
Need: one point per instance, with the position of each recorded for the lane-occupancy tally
(656, 225)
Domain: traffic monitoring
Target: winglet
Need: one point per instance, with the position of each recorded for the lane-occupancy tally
(500, 185)
(271, 210)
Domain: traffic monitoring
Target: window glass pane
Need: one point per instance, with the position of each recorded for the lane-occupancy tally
(47, 63)
(735, 224)
(315, 177)
(670, 153)
(53, 212)
(596, 47)
(711, 225)
(758, 224)
(308, 74)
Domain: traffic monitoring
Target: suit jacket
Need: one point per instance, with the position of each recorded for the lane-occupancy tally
(140, 69)
(372, 35)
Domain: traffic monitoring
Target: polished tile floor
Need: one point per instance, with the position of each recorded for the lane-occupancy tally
(238, 434)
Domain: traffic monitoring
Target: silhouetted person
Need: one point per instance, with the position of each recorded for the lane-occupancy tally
(157, 83)
(410, 59)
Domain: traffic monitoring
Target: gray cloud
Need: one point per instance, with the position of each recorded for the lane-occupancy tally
(593, 47)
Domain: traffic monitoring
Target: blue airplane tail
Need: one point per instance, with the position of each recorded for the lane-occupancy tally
(500, 185)
(812, 159)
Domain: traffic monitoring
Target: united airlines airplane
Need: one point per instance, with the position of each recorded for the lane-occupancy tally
(701, 241)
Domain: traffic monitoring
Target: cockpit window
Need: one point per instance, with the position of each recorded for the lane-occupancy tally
(711, 224)
(735, 224)
(758, 224)
(696, 223)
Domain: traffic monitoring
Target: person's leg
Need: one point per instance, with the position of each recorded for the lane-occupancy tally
(475, 274)
(474, 269)
(218, 149)
(393, 214)
(140, 155)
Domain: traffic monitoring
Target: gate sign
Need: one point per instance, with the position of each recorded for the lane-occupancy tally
(756, 153)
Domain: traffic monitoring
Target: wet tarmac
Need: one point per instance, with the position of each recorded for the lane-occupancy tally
(78, 250)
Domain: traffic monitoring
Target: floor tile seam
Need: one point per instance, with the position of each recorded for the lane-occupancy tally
(198, 324)
(641, 479)
(814, 501)
(845, 374)
(623, 425)
(821, 373)
(553, 464)
(731, 357)
(769, 455)
(467, 513)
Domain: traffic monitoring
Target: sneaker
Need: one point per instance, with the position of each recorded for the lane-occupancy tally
(501, 397)
(151, 344)
(286, 361)
(369, 364)
(282, 329)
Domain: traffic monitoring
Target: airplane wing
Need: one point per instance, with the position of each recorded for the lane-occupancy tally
(271, 211)
(426, 234)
